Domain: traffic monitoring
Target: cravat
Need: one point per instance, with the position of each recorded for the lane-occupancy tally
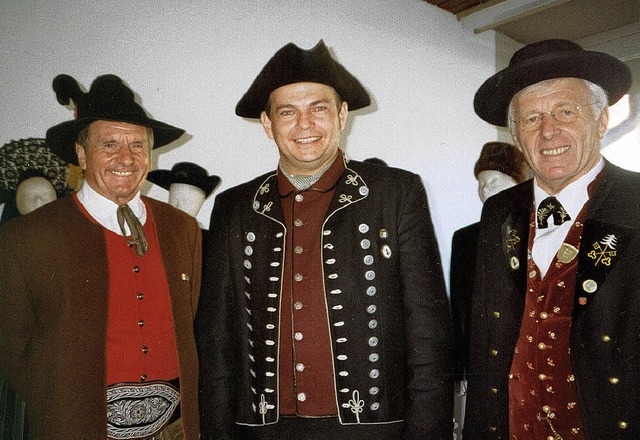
(551, 206)
(138, 240)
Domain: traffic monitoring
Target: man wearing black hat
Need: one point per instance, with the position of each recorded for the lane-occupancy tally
(555, 352)
(98, 289)
(323, 310)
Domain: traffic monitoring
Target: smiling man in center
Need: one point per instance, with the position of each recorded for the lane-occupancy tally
(324, 313)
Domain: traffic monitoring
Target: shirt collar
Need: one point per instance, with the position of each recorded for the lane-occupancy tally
(573, 196)
(104, 210)
(326, 182)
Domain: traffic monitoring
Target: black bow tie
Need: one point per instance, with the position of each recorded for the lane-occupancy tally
(551, 206)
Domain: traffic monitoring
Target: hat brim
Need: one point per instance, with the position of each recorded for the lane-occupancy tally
(492, 99)
(61, 138)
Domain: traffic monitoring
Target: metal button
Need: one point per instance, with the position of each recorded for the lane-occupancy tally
(532, 274)
(494, 391)
(606, 338)
(299, 197)
(248, 250)
(614, 380)
(145, 349)
(140, 295)
(373, 357)
(302, 396)
(496, 315)
(247, 264)
(542, 376)
(368, 260)
(251, 237)
(297, 277)
(623, 425)
(363, 190)
(371, 290)
(374, 374)
(589, 286)
(136, 268)
(298, 249)
(542, 346)
(300, 367)
(373, 324)
(374, 390)
(365, 243)
(373, 341)
(297, 305)
(369, 275)
(298, 336)
(375, 406)
(544, 315)
(141, 323)
(494, 352)
(371, 309)
(364, 228)
(297, 222)
(185, 277)
(143, 378)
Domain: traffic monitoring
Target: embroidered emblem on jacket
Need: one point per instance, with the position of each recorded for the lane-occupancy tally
(603, 250)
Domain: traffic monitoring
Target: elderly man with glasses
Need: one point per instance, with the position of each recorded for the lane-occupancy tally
(555, 346)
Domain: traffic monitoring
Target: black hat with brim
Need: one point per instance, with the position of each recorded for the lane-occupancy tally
(185, 172)
(292, 65)
(549, 59)
(108, 99)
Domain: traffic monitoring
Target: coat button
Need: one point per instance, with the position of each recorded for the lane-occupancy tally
(298, 277)
(542, 346)
(373, 357)
(374, 374)
(299, 367)
(141, 323)
(614, 380)
(374, 390)
(364, 228)
(371, 290)
(372, 309)
(145, 349)
(298, 336)
(251, 237)
(496, 315)
(297, 305)
(369, 275)
(299, 198)
(373, 341)
(136, 269)
(298, 249)
(373, 324)
(494, 352)
(368, 260)
(542, 376)
(297, 222)
(140, 295)
(302, 397)
(606, 338)
(143, 378)
(544, 315)
(365, 244)
(623, 425)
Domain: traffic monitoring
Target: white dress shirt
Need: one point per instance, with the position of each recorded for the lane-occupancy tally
(104, 210)
(547, 241)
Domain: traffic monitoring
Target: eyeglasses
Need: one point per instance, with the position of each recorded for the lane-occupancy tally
(563, 113)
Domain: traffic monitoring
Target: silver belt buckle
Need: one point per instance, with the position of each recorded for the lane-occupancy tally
(139, 410)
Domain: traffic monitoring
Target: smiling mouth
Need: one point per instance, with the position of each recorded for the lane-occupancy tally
(122, 173)
(307, 140)
(555, 151)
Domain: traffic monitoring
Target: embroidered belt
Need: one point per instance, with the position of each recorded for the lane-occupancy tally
(141, 410)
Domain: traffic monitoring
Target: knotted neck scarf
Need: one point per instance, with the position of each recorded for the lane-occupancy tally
(138, 240)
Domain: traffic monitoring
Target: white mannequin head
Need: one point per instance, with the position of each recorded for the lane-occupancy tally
(491, 182)
(34, 192)
(188, 198)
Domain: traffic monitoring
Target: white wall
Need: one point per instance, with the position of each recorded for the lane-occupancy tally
(191, 61)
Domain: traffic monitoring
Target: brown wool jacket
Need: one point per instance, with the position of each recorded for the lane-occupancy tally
(53, 315)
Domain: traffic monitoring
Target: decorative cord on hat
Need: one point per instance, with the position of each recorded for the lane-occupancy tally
(138, 240)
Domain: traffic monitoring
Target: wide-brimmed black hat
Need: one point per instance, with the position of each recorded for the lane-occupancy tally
(185, 172)
(292, 65)
(544, 60)
(108, 99)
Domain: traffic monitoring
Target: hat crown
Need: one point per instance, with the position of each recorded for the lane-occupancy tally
(544, 48)
(110, 98)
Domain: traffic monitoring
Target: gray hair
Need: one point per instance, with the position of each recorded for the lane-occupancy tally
(599, 100)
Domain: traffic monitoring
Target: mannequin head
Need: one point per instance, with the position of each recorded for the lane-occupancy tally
(188, 198)
(491, 182)
(33, 192)
(500, 166)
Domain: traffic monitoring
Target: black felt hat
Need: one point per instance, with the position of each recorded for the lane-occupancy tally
(292, 65)
(185, 172)
(108, 99)
(544, 60)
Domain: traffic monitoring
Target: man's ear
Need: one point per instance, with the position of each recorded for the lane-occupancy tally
(603, 122)
(342, 114)
(82, 156)
(266, 124)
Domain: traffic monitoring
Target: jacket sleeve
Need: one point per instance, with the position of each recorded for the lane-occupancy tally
(17, 314)
(213, 336)
(429, 410)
